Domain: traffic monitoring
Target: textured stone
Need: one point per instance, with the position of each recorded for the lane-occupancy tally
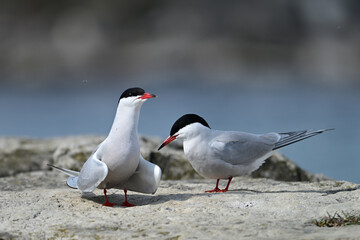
(23, 155)
(279, 167)
(39, 205)
(74, 151)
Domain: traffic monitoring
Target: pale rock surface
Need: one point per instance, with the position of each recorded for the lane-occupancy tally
(24, 155)
(39, 205)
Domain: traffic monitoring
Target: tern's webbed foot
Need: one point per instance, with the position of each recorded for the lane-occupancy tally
(127, 204)
(217, 189)
(108, 204)
(214, 190)
(222, 190)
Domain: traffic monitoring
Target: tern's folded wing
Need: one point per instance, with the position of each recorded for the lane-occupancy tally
(92, 174)
(242, 148)
(146, 179)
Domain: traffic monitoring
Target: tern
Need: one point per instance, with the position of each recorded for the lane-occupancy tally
(226, 154)
(116, 162)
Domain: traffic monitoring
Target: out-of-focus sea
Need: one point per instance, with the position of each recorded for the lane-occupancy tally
(86, 110)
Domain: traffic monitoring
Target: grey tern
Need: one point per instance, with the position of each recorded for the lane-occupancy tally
(226, 154)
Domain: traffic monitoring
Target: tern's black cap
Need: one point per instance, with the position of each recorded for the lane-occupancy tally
(132, 92)
(186, 120)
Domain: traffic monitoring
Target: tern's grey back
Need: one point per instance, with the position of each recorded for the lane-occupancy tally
(240, 148)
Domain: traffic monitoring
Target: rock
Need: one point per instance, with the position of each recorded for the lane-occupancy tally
(72, 152)
(39, 205)
(279, 167)
(24, 155)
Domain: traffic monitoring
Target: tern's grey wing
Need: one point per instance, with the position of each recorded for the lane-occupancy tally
(146, 178)
(92, 173)
(293, 137)
(242, 148)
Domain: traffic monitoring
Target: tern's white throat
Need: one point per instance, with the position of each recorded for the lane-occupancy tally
(126, 118)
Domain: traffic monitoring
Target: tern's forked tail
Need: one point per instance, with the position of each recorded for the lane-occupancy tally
(73, 176)
(293, 137)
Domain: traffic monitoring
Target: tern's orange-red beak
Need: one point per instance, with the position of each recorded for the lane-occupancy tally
(167, 141)
(147, 95)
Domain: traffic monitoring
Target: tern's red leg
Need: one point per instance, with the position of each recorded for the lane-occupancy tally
(107, 203)
(227, 186)
(216, 189)
(126, 203)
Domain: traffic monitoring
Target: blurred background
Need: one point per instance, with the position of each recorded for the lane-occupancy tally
(256, 66)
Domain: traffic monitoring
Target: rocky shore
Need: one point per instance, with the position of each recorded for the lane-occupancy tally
(25, 155)
(37, 204)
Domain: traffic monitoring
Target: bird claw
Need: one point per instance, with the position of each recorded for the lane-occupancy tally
(222, 190)
(214, 190)
(217, 190)
(127, 204)
(108, 204)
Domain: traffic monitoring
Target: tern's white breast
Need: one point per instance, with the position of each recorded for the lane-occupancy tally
(121, 149)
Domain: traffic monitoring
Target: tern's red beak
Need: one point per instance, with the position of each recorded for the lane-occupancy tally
(167, 141)
(147, 95)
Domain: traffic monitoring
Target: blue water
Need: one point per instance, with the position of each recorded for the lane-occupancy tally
(61, 112)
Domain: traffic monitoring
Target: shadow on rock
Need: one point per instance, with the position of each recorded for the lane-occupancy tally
(140, 200)
(325, 192)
